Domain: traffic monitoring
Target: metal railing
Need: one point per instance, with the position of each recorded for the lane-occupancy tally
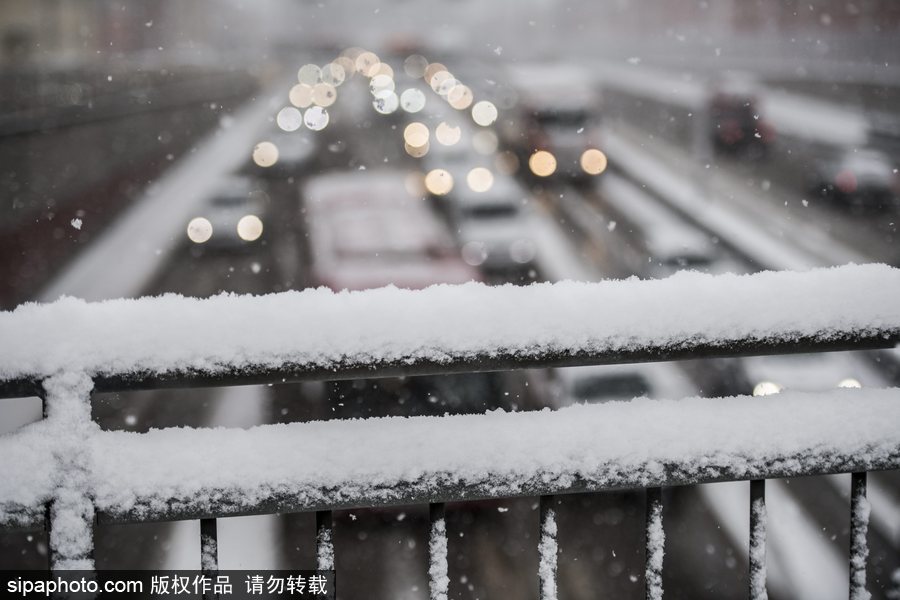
(71, 504)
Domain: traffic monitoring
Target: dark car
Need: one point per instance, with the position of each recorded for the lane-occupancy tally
(735, 120)
(856, 179)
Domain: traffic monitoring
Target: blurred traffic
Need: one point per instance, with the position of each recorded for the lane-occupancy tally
(166, 148)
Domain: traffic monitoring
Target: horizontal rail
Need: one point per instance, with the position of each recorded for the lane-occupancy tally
(495, 361)
(179, 474)
(31, 519)
(318, 334)
(410, 494)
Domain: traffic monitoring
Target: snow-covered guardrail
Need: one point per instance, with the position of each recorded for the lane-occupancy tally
(66, 350)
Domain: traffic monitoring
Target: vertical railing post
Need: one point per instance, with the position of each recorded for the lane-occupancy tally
(324, 541)
(209, 546)
(548, 549)
(655, 540)
(209, 553)
(859, 526)
(67, 405)
(438, 578)
(757, 551)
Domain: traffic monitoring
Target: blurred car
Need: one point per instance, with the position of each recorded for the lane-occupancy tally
(295, 151)
(766, 375)
(558, 112)
(234, 216)
(493, 226)
(605, 383)
(734, 117)
(366, 230)
(864, 179)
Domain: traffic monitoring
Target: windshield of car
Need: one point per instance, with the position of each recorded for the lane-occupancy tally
(492, 211)
(610, 387)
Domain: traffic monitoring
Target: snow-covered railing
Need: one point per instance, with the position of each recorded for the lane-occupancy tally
(67, 468)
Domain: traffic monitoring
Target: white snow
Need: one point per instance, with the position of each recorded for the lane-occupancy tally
(656, 543)
(324, 550)
(859, 549)
(548, 550)
(758, 551)
(318, 327)
(437, 552)
(209, 558)
(69, 427)
(798, 115)
(619, 443)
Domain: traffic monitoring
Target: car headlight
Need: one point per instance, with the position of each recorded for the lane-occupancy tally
(849, 382)
(766, 388)
(249, 228)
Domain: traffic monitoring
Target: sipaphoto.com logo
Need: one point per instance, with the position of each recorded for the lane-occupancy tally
(69, 585)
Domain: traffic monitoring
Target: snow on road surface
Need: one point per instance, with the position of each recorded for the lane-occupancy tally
(797, 115)
(126, 256)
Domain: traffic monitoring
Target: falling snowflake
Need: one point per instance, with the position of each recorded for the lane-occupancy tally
(76, 223)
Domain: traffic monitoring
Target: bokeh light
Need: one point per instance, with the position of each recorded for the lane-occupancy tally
(447, 134)
(480, 179)
(381, 69)
(416, 151)
(474, 253)
(439, 182)
(460, 97)
(199, 230)
(522, 251)
(766, 388)
(301, 95)
(346, 63)
(289, 119)
(249, 228)
(412, 100)
(386, 103)
(309, 74)
(334, 73)
(542, 163)
(367, 63)
(436, 80)
(316, 118)
(431, 70)
(381, 84)
(265, 154)
(416, 134)
(593, 161)
(324, 94)
(484, 113)
(415, 65)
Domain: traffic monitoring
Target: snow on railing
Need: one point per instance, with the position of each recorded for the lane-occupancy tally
(326, 335)
(66, 350)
